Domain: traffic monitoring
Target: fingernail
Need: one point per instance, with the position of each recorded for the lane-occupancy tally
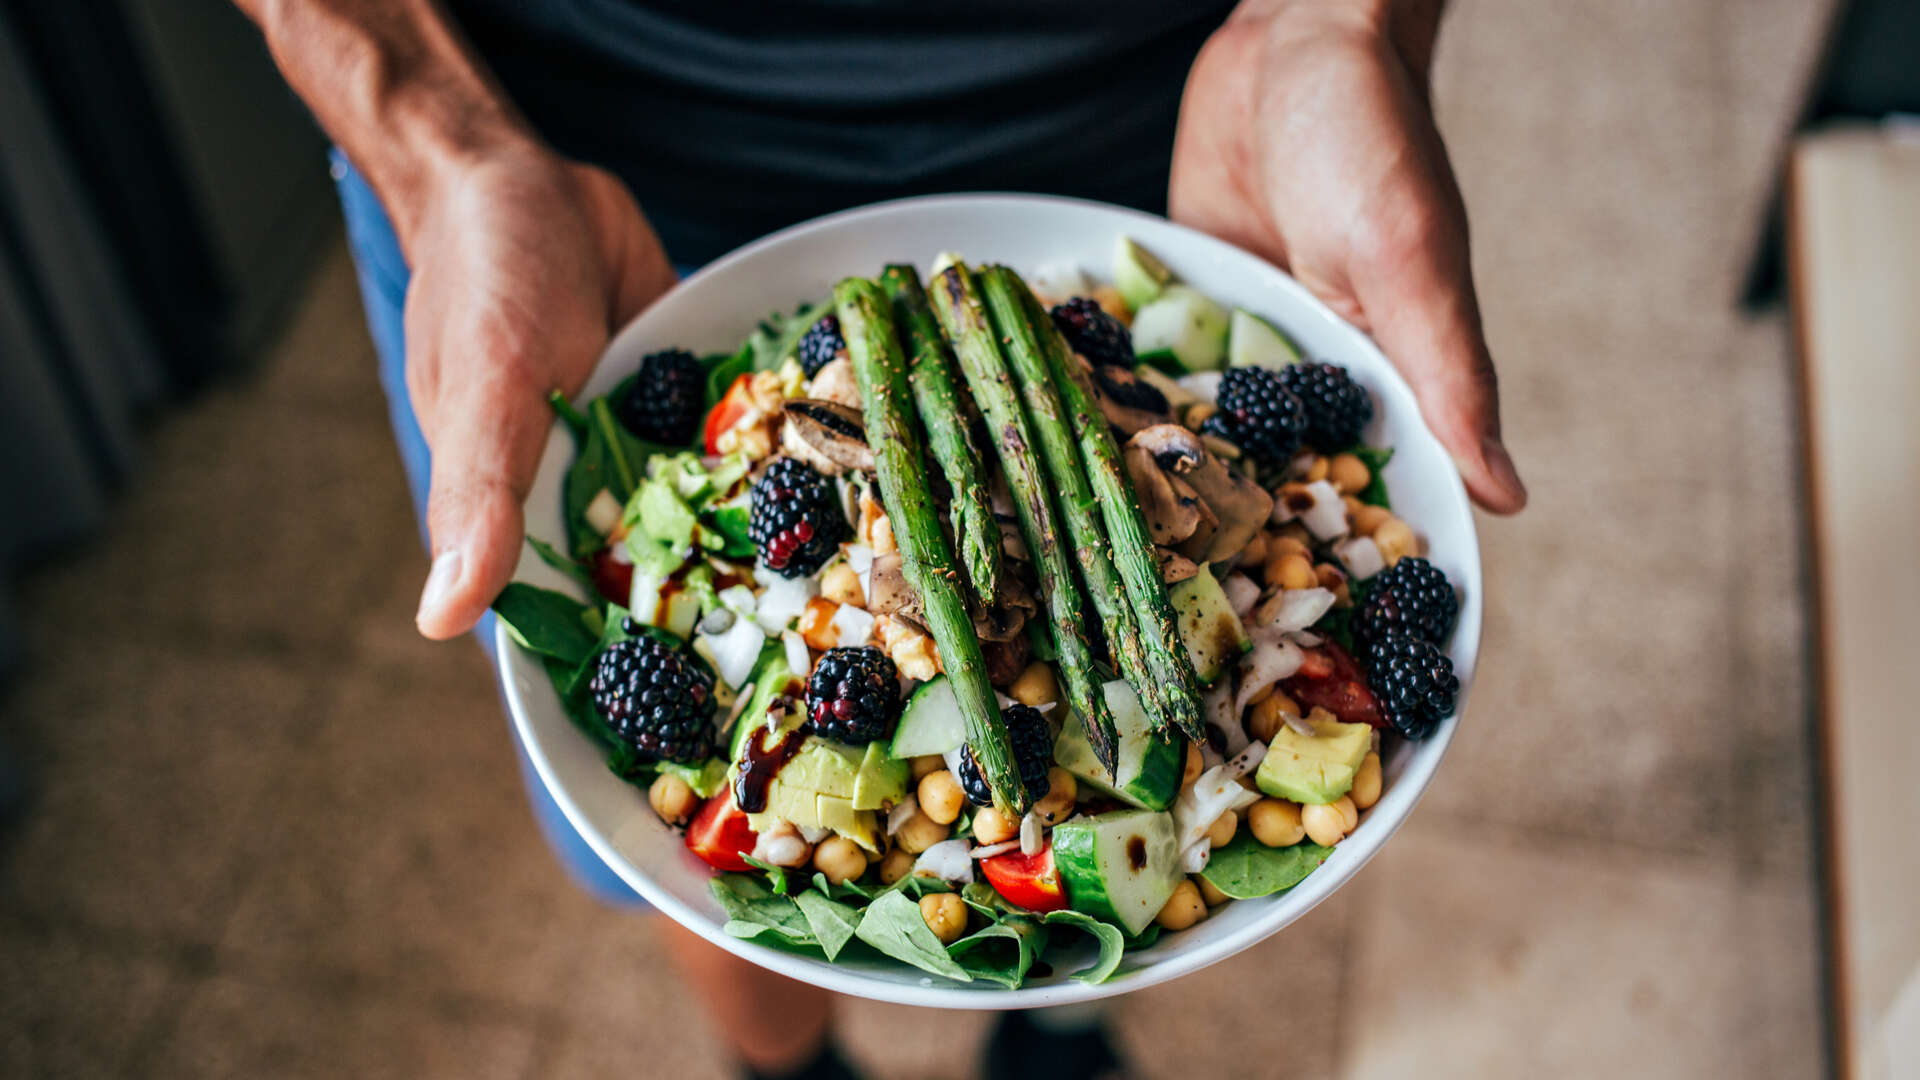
(1500, 463)
(440, 581)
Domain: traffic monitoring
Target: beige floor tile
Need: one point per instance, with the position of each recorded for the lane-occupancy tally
(641, 1046)
(1476, 959)
(152, 765)
(1269, 1013)
(240, 1026)
(75, 1008)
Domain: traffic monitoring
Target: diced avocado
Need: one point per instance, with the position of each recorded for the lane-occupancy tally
(822, 767)
(1185, 323)
(931, 723)
(1253, 342)
(770, 680)
(881, 781)
(1317, 768)
(1138, 275)
(1147, 766)
(1120, 866)
(1212, 632)
(665, 515)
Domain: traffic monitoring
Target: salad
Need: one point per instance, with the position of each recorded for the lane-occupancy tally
(967, 621)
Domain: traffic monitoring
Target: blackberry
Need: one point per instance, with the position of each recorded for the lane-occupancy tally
(1337, 407)
(820, 344)
(795, 521)
(655, 699)
(853, 695)
(1411, 597)
(1258, 414)
(1414, 681)
(667, 400)
(1093, 333)
(1124, 388)
(1032, 754)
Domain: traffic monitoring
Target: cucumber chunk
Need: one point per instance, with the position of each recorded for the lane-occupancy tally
(1147, 766)
(1253, 342)
(1212, 632)
(1186, 324)
(1137, 274)
(1120, 866)
(931, 722)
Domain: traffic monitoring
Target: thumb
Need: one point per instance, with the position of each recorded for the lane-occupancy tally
(1417, 292)
(484, 457)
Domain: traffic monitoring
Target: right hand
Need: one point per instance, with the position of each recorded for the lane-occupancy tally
(523, 265)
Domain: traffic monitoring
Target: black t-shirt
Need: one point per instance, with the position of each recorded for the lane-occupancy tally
(731, 118)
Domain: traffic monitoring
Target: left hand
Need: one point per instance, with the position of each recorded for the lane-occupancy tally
(1306, 137)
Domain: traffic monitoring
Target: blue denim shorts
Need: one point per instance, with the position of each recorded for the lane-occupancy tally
(383, 288)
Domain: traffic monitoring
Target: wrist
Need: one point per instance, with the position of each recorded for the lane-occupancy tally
(1408, 27)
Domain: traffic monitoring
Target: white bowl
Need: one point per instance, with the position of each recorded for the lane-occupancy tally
(714, 309)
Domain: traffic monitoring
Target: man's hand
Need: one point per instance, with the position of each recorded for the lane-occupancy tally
(1306, 136)
(523, 264)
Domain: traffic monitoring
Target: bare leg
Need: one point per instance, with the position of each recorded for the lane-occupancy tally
(773, 1023)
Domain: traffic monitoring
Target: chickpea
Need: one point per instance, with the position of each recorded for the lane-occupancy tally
(919, 833)
(882, 536)
(1275, 822)
(924, 764)
(1222, 830)
(1349, 814)
(1368, 519)
(1283, 543)
(842, 586)
(1035, 686)
(672, 798)
(1195, 763)
(1331, 579)
(945, 914)
(990, 826)
(1057, 805)
(1396, 541)
(940, 797)
(1295, 572)
(1352, 504)
(784, 846)
(840, 859)
(1197, 414)
(1297, 532)
(1318, 470)
(1183, 908)
(1366, 783)
(1349, 474)
(1255, 553)
(816, 624)
(1266, 719)
(1214, 897)
(1325, 825)
(895, 866)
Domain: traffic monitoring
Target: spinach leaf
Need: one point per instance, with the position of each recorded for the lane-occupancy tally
(843, 890)
(1247, 868)
(576, 421)
(613, 629)
(1376, 458)
(776, 875)
(551, 555)
(545, 622)
(832, 922)
(748, 902)
(1146, 939)
(722, 370)
(892, 924)
(579, 709)
(1337, 623)
(611, 459)
(778, 335)
(1112, 942)
(1002, 952)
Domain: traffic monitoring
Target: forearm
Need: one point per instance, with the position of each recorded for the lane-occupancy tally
(394, 83)
(1410, 26)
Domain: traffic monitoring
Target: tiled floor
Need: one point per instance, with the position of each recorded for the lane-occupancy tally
(280, 836)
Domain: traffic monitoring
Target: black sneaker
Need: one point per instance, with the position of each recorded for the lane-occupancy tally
(1020, 1048)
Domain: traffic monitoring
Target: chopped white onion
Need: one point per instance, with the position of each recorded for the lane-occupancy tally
(1293, 609)
(1204, 385)
(734, 652)
(1327, 517)
(902, 811)
(949, 860)
(1242, 593)
(739, 599)
(1060, 281)
(621, 554)
(1247, 760)
(1005, 701)
(603, 512)
(1214, 793)
(741, 697)
(1270, 661)
(799, 660)
(1301, 466)
(1001, 848)
(1306, 639)
(849, 500)
(1195, 858)
(1298, 723)
(1222, 716)
(1032, 836)
(853, 625)
(718, 621)
(813, 834)
(781, 599)
(1362, 557)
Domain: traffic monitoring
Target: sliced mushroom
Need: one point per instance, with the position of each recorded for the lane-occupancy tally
(889, 594)
(1007, 618)
(1175, 567)
(830, 430)
(1174, 448)
(887, 590)
(1240, 507)
(1172, 509)
(1005, 660)
(836, 383)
